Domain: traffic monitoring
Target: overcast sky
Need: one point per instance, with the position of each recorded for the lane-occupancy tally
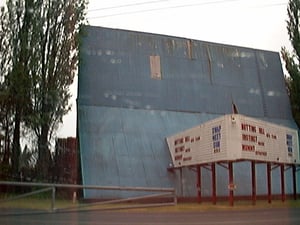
(259, 24)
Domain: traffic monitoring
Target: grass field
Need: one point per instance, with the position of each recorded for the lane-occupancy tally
(45, 203)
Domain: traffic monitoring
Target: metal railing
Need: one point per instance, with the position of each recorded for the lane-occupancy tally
(47, 187)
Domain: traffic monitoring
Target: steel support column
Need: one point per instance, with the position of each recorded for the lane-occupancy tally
(214, 189)
(294, 182)
(181, 181)
(282, 182)
(231, 184)
(199, 184)
(253, 178)
(269, 184)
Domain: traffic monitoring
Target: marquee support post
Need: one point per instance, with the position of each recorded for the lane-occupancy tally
(269, 182)
(199, 194)
(231, 184)
(282, 182)
(253, 178)
(294, 182)
(181, 180)
(214, 189)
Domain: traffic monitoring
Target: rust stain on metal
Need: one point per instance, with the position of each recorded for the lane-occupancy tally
(209, 64)
(155, 67)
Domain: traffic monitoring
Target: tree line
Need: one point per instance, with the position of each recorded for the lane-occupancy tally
(292, 59)
(39, 43)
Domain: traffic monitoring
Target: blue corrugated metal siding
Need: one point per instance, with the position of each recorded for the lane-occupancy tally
(124, 115)
(127, 146)
(118, 62)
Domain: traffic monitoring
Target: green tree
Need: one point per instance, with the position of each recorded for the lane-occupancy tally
(41, 55)
(292, 59)
(15, 54)
(57, 26)
(5, 112)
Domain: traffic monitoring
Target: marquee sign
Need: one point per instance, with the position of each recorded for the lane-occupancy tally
(234, 137)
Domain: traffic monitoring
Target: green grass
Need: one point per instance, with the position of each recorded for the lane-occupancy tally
(238, 205)
(38, 203)
(44, 203)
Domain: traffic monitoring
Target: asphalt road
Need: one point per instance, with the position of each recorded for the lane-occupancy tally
(257, 217)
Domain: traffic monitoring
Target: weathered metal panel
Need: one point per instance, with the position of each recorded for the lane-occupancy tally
(124, 115)
(132, 151)
(136, 142)
(116, 72)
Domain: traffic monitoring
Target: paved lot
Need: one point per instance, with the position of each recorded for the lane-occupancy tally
(257, 217)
